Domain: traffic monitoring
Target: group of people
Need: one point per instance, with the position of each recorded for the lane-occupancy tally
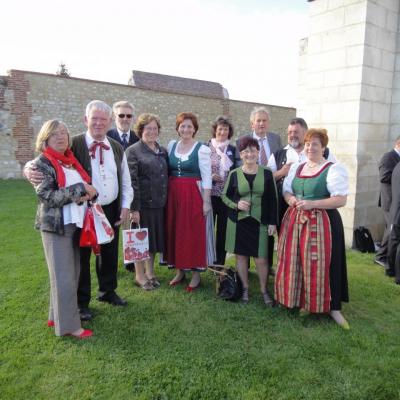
(251, 189)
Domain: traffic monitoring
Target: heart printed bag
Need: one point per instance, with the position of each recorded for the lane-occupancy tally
(135, 244)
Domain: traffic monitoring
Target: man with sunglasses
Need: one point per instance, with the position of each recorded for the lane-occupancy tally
(124, 118)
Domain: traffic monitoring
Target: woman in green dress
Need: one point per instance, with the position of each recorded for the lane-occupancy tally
(311, 272)
(250, 193)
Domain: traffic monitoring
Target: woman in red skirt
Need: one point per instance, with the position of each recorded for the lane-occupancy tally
(188, 203)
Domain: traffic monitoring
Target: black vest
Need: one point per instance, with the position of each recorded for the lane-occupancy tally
(81, 152)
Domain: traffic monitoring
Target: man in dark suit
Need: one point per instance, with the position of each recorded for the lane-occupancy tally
(269, 143)
(124, 116)
(386, 166)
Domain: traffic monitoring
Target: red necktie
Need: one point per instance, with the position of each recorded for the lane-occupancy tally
(101, 146)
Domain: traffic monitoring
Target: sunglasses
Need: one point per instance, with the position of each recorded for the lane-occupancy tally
(129, 116)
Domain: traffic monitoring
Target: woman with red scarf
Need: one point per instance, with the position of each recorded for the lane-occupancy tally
(62, 195)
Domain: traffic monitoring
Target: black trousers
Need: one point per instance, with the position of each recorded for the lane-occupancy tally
(106, 262)
(220, 213)
(382, 253)
(394, 252)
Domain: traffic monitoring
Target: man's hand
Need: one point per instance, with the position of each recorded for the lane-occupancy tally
(135, 217)
(32, 174)
(123, 216)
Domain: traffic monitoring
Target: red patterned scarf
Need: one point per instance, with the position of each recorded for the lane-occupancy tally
(67, 159)
(304, 256)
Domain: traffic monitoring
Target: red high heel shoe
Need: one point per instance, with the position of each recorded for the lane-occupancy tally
(84, 335)
(50, 323)
(191, 289)
(177, 282)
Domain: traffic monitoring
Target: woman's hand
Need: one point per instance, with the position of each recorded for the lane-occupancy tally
(271, 230)
(135, 217)
(90, 191)
(206, 207)
(292, 202)
(305, 204)
(244, 205)
(216, 178)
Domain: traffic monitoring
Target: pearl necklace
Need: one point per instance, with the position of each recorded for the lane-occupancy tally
(319, 163)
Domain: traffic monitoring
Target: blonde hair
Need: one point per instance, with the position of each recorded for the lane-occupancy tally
(48, 128)
(123, 103)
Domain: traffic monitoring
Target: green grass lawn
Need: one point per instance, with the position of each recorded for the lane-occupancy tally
(169, 344)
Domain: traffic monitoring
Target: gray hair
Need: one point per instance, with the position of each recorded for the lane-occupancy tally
(123, 103)
(98, 105)
(257, 110)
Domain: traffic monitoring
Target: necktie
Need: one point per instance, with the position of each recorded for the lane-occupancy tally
(101, 146)
(263, 154)
(124, 140)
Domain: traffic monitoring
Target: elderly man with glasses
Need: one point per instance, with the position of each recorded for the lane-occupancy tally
(124, 118)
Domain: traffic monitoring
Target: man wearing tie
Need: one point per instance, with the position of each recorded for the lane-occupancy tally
(105, 161)
(124, 116)
(269, 143)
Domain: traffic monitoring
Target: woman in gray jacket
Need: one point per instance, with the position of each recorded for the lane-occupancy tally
(62, 195)
(147, 162)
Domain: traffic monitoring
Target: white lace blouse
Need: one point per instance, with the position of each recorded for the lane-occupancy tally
(204, 161)
(337, 180)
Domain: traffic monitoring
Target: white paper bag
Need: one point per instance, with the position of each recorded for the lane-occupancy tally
(135, 245)
(104, 230)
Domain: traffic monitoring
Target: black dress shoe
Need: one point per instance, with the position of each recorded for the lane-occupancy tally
(85, 314)
(130, 267)
(113, 299)
(380, 262)
(390, 273)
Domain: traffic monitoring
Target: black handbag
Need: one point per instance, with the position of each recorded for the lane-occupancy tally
(363, 240)
(228, 284)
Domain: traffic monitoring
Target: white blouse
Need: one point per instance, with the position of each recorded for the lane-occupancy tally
(337, 179)
(72, 212)
(204, 161)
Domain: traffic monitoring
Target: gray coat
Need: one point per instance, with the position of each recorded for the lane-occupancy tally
(274, 141)
(149, 176)
(49, 214)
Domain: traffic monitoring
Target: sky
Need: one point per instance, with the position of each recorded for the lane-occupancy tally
(248, 46)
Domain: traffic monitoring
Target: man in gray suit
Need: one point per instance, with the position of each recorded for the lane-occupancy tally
(269, 143)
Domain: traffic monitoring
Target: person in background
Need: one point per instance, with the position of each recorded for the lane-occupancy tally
(62, 194)
(386, 166)
(222, 161)
(250, 193)
(188, 203)
(311, 269)
(124, 117)
(148, 166)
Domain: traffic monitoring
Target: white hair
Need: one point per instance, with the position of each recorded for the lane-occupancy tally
(257, 110)
(98, 105)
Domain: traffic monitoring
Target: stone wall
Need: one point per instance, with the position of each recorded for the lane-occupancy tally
(346, 80)
(28, 99)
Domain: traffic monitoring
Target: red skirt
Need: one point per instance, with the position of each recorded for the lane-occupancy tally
(186, 225)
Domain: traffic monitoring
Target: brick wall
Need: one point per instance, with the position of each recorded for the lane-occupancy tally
(28, 99)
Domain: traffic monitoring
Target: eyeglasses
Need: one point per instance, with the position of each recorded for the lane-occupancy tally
(129, 116)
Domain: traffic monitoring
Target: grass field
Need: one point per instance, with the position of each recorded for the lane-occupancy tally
(169, 344)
